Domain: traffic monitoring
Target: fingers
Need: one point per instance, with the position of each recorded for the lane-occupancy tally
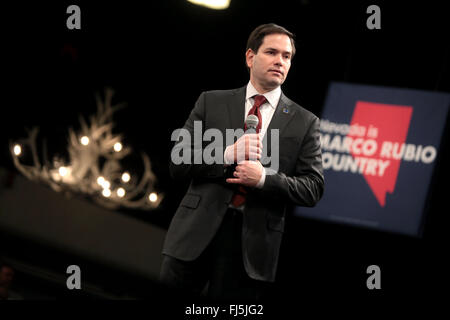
(233, 180)
(247, 173)
(244, 164)
(255, 138)
(248, 147)
(252, 139)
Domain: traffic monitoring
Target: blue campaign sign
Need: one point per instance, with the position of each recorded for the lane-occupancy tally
(379, 149)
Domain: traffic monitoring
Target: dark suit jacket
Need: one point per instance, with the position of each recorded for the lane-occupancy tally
(299, 181)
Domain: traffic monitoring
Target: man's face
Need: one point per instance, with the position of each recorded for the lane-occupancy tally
(270, 65)
(6, 276)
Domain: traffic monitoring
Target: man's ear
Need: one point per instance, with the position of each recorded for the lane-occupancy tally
(249, 55)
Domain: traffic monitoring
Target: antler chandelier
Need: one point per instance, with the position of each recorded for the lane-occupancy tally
(94, 168)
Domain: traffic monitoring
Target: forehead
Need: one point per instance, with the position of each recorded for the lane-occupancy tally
(278, 41)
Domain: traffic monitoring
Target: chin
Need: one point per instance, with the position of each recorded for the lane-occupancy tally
(274, 83)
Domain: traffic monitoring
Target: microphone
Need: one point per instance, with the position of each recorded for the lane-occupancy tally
(251, 122)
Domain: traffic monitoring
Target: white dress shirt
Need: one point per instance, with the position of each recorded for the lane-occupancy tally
(267, 110)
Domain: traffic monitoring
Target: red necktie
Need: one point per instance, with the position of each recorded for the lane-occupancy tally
(239, 196)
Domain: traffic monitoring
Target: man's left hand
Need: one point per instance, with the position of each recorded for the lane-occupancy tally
(247, 173)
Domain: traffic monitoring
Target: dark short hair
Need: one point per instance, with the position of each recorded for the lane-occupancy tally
(257, 36)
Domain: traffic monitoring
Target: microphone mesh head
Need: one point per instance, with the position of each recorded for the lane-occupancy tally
(252, 121)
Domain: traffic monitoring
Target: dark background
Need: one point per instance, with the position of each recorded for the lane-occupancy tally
(159, 56)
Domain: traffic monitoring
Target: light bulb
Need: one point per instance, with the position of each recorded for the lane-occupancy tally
(117, 146)
(126, 177)
(84, 140)
(212, 4)
(100, 180)
(120, 192)
(62, 171)
(17, 150)
(152, 197)
(106, 193)
(106, 184)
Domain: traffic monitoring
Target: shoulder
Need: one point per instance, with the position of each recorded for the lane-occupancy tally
(299, 110)
(222, 94)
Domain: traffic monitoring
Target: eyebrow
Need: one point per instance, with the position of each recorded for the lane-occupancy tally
(273, 49)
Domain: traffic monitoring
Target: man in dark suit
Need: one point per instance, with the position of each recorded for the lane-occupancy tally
(228, 227)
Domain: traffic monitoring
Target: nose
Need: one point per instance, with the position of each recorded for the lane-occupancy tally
(279, 60)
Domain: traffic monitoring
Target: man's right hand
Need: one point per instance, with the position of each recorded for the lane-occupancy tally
(247, 147)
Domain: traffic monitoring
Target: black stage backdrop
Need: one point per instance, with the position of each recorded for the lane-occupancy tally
(159, 56)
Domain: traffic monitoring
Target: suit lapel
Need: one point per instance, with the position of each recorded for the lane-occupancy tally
(236, 109)
(282, 115)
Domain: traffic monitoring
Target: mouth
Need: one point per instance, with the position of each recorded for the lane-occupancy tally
(277, 72)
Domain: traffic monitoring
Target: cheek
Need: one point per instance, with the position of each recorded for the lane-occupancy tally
(287, 67)
(259, 68)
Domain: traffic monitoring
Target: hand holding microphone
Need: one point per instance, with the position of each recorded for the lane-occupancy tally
(247, 147)
(246, 151)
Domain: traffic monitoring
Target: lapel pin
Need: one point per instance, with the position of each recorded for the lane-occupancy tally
(285, 110)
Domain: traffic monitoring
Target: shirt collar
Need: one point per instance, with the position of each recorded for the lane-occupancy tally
(273, 97)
